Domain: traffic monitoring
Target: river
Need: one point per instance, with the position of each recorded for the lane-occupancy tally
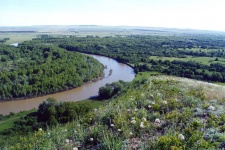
(120, 71)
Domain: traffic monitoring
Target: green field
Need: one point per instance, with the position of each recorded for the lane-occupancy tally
(142, 75)
(18, 38)
(7, 122)
(203, 60)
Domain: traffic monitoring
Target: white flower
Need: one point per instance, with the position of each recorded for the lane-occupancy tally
(149, 106)
(133, 118)
(65, 130)
(95, 109)
(131, 133)
(135, 109)
(133, 121)
(91, 139)
(67, 141)
(157, 121)
(112, 125)
(153, 103)
(144, 119)
(90, 118)
(78, 125)
(164, 102)
(75, 148)
(119, 130)
(40, 129)
(142, 125)
(181, 137)
(211, 108)
(128, 110)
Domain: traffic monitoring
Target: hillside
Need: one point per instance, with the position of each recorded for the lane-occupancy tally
(154, 112)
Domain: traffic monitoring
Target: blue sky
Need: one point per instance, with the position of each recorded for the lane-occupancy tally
(195, 14)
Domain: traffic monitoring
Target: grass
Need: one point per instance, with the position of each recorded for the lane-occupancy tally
(95, 102)
(8, 122)
(202, 60)
(142, 75)
(18, 38)
(157, 112)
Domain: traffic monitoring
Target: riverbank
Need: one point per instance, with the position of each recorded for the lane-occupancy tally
(90, 89)
(67, 89)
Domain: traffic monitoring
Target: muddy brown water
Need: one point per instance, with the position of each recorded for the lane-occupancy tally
(120, 71)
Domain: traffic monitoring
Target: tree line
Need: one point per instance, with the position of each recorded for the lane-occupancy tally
(32, 70)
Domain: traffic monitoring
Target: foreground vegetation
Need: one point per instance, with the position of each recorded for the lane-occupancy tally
(158, 112)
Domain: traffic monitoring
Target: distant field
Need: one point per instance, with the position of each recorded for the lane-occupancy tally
(18, 37)
(203, 60)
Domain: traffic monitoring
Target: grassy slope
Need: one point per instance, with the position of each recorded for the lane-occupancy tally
(167, 107)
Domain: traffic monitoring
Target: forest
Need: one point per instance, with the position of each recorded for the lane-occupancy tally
(137, 50)
(48, 64)
(33, 70)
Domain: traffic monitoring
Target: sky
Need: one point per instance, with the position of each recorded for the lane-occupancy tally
(191, 14)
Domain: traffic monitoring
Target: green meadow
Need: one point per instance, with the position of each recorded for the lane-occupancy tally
(202, 60)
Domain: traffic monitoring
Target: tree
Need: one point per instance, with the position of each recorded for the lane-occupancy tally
(46, 110)
(105, 92)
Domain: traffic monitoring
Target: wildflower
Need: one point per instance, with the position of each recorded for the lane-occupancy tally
(65, 130)
(157, 120)
(119, 130)
(40, 129)
(90, 118)
(131, 133)
(135, 109)
(112, 125)
(78, 125)
(144, 119)
(75, 148)
(211, 108)
(95, 109)
(142, 125)
(128, 110)
(164, 102)
(91, 139)
(133, 118)
(181, 137)
(67, 141)
(133, 121)
(149, 106)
